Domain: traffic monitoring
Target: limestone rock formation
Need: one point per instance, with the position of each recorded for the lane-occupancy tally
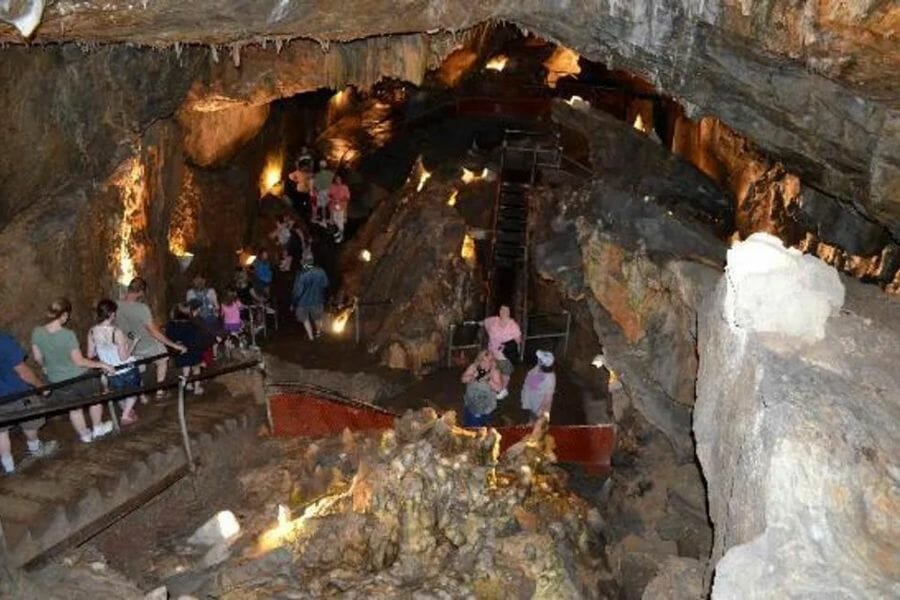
(636, 244)
(813, 83)
(415, 240)
(427, 510)
(798, 445)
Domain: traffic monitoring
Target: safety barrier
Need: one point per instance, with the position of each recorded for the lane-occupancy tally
(548, 326)
(48, 406)
(476, 343)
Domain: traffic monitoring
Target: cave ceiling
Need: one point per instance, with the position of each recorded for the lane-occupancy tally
(815, 83)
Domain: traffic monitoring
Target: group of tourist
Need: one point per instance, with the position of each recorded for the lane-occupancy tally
(124, 340)
(321, 194)
(487, 379)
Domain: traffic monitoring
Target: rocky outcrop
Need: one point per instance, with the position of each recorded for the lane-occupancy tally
(798, 442)
(415, 241)
(636, 245)
(211, 137)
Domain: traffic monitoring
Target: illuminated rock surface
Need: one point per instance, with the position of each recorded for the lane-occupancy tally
(799, 451)
(423, 511)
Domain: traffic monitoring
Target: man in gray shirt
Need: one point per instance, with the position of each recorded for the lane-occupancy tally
(133, 317)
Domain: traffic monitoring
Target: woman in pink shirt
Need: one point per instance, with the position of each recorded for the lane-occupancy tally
(339, 200)
(502, 330)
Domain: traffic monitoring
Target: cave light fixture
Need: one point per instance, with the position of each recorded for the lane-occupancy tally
(471, 176)
(365, 256)
(245, 258)
(467, 251)
(339, 322)
(497, 63)
(423, 174)
(454, 195)
(640, 125)
(270, 178)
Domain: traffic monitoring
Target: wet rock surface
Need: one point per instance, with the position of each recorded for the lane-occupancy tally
(798, 442)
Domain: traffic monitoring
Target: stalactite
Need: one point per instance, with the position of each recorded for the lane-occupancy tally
(236, 55)
(214, 53)
(279, 44)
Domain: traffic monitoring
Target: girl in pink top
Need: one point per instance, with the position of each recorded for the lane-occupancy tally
(231, 312)
(339, 200)
(502, 330)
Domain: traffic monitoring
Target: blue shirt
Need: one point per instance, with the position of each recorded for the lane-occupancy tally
(11, 356)
(263, 271)
(309, 287)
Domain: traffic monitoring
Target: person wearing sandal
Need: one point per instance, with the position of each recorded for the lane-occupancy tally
(108, 343)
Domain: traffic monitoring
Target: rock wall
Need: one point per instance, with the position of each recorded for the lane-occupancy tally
(797, 438)
(415, 240)
(636, 245)
(807, 81)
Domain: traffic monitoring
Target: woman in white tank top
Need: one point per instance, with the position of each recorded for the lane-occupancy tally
(108, 343)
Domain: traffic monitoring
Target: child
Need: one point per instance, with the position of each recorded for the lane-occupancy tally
(231, 313)
(183, 328)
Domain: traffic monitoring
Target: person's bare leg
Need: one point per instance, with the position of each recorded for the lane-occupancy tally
(79, 424)
(96, 411)
(198, 389)
(9, 465)
(127, 406)
(307, 325)
(161, 367)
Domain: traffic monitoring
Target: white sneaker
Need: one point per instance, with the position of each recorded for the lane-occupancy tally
(502, 394)
(102, 429)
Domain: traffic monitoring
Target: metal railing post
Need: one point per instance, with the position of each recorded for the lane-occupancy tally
(182, 420)
(450, 345)
(568, 329)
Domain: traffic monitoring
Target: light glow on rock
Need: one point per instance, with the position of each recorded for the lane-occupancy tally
(562, 63)
(270, 178)
(470, 176)
(451, 201)
(497, 63)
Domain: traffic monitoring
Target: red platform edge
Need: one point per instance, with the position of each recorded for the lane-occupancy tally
(304, 414)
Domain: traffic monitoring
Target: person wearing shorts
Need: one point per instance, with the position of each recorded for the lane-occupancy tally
(17, 377)
(308, 297)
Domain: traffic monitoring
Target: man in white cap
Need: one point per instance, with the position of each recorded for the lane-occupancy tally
(539, 386)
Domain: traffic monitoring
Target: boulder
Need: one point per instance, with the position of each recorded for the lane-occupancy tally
(765, 280)
(679, 578)
(798, 443)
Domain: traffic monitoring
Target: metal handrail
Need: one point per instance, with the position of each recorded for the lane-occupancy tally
(53, 407)
(91, 374)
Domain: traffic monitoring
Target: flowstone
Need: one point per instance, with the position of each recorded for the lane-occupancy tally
(431, 511)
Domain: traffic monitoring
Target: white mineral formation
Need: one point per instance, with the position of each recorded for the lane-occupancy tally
(24, 15)
(222, 527)
(773, 289)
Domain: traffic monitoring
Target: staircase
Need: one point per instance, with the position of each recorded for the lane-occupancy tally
(523, 153)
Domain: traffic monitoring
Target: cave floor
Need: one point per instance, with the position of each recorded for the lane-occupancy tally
(441, 389)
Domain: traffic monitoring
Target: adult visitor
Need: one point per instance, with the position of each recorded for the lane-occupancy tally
(482, 379)
(299, 187)
(56, 349)
(16, 377)
(308, 297)
(110, 345)
(505, 342)
(136, 321)
(339, 202)
(321, 183)
(539, 387)
(209, 301)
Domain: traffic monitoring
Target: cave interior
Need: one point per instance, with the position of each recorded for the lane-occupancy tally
(699, 217)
